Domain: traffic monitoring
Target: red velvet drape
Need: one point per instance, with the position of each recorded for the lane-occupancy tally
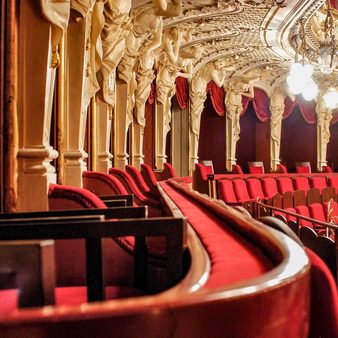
(261, 105)
(182, 92)
(217, 97)
(335, 116)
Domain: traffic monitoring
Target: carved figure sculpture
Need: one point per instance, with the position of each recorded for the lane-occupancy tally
(277, 109)
(145, 75)
(233, 102)
(215, 71)
(145, 21)
(324, 117)
(114, 32)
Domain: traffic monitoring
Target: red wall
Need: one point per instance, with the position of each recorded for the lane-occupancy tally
(298, 141)
(332, 147)
(212, 137)
(253, 144)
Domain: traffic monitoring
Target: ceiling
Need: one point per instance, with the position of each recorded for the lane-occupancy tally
(253, 35)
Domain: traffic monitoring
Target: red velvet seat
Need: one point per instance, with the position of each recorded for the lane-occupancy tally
(140, 198)
(241, 190)
(326, 169)
(102, 184)
(62, 197)
(139, 181)
(281, 169)
(317, 212)
(226, 191)
(303, 170)
(255, 188)
(284, 184)
(324, 300)
(149, 176)
(269, 186)
(318, 182)
(333, 212)
(256, 167)
(333, 182)
(200, 179)
(303, 210)
(301, 183)
(168, 171)
(236, 169)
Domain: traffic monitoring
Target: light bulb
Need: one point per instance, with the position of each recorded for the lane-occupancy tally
(310, 90)
(331, 98)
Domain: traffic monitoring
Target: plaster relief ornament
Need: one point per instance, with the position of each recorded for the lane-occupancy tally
(146, 20)
(167, 70)
(324, 117)
(114, 32)
(145, 74)
(277, 107)
(215, 71)
(237, 88)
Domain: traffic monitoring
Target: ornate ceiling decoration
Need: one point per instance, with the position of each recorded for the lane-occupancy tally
(256, 35)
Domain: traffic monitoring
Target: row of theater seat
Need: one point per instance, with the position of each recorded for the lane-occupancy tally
(213, 224)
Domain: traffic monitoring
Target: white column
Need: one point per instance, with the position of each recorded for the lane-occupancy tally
(35, 92)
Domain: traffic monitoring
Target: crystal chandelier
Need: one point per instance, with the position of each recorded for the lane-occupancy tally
(327, 59)
(300, 79)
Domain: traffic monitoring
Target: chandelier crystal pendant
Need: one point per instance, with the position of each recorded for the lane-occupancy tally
(331, 98)
(327, 58)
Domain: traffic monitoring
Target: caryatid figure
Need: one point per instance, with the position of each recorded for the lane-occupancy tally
(324, 117)
(167, 71)
(236, 88)
(277, 107)
(145, 21)
(114, 32)
(215, 71)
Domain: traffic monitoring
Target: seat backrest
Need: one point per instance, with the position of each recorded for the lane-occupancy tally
(256, 167)
(284, 184)
(281, 168)
(333, 182)
(102, 184)
(241, 190)
(138, 178)
(303, 210)
(318, 182)
(209, 167)
(168, 171)
(269, 186)
(303, 167)
(316, 211)
(148, 175)
(226, 191)
(63, 197)
(200, 179)
(324, 299)
(326, 169)
(301, 183)
(255, 188)
(236, 169)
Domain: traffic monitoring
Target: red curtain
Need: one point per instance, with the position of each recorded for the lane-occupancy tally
(151, 98)
(182, 92)
(308, 110)
(334, 4)
(261, 105)
(217, 96)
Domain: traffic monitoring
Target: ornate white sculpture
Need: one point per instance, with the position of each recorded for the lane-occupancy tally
(324, 117)
(277, 106)
(233, 101)
(114, 32)
(215, 71)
